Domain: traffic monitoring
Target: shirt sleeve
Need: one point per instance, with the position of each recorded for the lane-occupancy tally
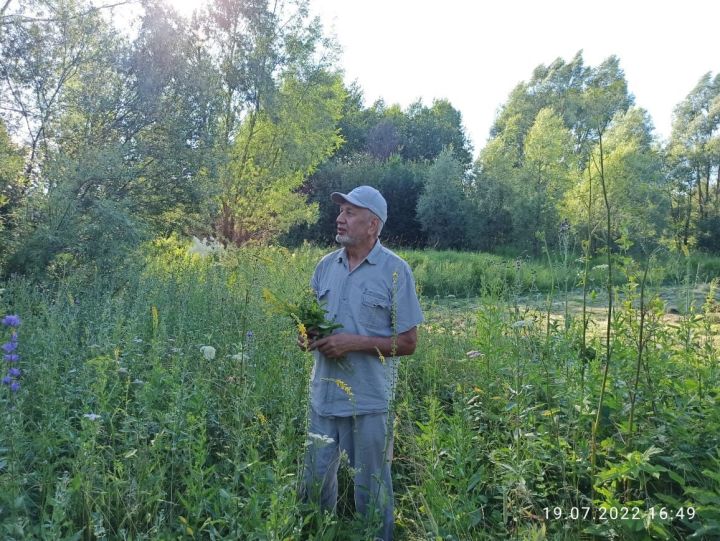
(406, 305)
(315, 279)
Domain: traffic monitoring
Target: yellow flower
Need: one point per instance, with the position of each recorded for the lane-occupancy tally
(344, 386)
(303, 332)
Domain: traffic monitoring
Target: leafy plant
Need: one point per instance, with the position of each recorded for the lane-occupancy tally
(308, 312)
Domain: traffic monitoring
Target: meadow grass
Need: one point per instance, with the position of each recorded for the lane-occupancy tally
(126, 428)
(472, 274)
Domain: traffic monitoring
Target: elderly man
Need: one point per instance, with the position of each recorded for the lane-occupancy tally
(370, 291)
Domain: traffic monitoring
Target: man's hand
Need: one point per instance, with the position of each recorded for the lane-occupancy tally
(335, 346)
(305, 342)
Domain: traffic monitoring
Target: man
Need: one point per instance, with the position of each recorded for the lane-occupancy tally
(370, 291)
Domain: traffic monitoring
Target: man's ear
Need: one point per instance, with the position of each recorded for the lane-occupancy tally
(375, 225)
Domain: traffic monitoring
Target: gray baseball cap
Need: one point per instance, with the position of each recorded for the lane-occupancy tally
(366, 197)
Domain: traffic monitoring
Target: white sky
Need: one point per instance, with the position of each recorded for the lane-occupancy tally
(473, 52)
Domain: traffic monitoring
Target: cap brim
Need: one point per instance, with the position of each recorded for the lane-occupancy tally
(340, 198)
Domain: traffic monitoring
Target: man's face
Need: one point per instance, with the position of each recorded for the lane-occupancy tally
(354, 225)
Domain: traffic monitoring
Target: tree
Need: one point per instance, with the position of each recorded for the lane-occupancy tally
(41, 55)
(490, 195)
(269, 58)
(121, 153)
(548, 172)
(12, 191)
(65, 96)
(429, 130)
(272, 157)
(442, 207)
(694, 158)
(635, 185)
(541, 141)
(399, 181)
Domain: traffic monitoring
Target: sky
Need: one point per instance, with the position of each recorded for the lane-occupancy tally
(474, 52)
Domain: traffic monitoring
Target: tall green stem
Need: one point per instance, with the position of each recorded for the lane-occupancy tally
(608, 351)
(586, 273)
(641, 346)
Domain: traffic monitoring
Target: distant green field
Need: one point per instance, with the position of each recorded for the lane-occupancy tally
(476, 274)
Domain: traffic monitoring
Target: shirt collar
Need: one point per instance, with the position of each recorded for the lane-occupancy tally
(373, 257)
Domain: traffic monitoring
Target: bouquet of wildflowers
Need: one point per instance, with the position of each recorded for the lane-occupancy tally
(308, 314)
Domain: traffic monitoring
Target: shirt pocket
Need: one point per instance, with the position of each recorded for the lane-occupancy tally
(375, 311)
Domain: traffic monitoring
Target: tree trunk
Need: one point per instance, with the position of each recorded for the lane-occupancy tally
(686, 225)
(698, 182)
(707, 184)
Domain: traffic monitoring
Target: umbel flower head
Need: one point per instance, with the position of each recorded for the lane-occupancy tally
(208, 352)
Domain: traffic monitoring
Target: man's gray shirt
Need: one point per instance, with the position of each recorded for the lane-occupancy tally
(377, 298)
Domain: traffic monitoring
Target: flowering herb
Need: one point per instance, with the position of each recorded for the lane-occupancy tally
(11, 321)
(9, 348)
(308, 314)
(208, 352)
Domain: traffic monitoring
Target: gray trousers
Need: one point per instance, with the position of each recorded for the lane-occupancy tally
(368, 442)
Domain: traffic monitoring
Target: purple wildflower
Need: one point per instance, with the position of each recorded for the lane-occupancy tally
(8, 348)
(11, 321)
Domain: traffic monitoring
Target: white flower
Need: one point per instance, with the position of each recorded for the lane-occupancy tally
(208, 352)
(320, 440)
(92, 416)
(204, 247)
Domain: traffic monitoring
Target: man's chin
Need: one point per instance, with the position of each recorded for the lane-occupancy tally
(344, 240)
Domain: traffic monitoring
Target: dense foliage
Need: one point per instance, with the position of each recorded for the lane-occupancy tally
(236, 124)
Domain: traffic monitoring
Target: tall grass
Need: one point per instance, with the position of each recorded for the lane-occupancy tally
(470, 274)
(123, 429)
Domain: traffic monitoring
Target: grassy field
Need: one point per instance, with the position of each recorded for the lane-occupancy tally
(126, 427)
